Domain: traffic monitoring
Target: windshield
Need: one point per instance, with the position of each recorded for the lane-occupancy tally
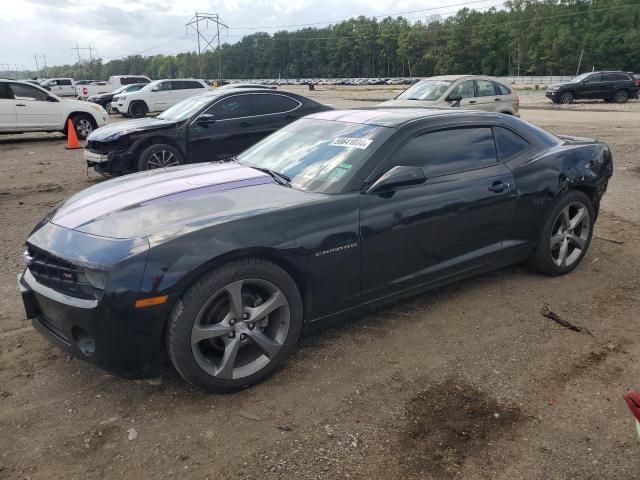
(317, 155)
(580, 78)
(132, 88)
(119, 90)
(184, 109)
(426, 90)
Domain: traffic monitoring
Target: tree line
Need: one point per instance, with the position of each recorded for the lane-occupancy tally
(524, 37)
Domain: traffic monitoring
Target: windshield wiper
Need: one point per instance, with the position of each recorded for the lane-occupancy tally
(281, 178)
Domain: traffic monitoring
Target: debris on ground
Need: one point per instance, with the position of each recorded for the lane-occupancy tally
(612, 240)
(249, 415)
(132, 434)
(547, 312)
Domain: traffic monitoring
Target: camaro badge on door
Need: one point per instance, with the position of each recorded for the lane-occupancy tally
(336, 249)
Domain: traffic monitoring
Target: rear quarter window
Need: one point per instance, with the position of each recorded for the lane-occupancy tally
(502, 89)
(508, 143)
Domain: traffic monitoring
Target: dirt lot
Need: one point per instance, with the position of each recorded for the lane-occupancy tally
(469, 381)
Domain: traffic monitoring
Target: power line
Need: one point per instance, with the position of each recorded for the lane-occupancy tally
(374, 16)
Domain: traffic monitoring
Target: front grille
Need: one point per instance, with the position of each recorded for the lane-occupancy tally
(97, 147)
(60, 275)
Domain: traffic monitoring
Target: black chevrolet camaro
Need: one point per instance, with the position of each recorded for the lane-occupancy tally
(218, 266)
(205, 127)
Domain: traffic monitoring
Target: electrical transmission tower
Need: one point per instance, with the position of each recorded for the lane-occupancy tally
(197, 23)
(78, 49)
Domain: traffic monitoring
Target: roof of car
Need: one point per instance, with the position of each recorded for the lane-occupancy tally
(390, 117)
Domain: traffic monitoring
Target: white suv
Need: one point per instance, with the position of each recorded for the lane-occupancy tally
(28, 108)
(158, 96)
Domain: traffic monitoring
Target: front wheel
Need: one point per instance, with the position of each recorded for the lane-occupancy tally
(566, 98)
(159, 156)
(138, 109)
(83, 124)
(235, 326)
(566, 235)
(109, 108)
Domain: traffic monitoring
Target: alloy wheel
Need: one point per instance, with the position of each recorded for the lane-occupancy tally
(570, 234)
(109, 108)
(240, 329)
(162, 159)
(84, 127)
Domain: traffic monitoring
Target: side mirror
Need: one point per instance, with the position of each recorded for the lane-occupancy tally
(397, 177)
(51, 99)
(155, 89)
(206, 119)
(453, 98)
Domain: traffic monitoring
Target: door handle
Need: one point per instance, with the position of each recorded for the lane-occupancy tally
(20, 105)
(496, 99)
(498, 187)
(244, 125)
(472, 101)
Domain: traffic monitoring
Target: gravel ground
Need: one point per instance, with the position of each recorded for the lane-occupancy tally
(469, 381)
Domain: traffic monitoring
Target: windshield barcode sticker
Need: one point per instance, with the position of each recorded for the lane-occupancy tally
(360, 143)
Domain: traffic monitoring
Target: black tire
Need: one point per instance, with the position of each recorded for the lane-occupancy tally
(109, 108)
(138, 109)
(621, 96)
(201, 297)
(543, 256)
(83, 124)
(159, 155)
(566, 98)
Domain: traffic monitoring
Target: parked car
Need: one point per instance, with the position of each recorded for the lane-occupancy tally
(85, 82)
(114, 82)
(609, 86)
(28, 108)
(211, 126)
(636, 80)
(158, 96)
(464, 91)
(105, 99)
(62, 87)
(248, 85)
(218, 266)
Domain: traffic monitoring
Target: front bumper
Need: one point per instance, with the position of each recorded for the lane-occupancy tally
(111, 163)
(126, 343)
(552, 94)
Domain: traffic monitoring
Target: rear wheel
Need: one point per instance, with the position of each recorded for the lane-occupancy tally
(566, 98)
(621, 96)
(159, 156)
(566, 235)
(138, 109)
(235, 326)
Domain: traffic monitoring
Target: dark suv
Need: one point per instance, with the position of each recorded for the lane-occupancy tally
(609, 86)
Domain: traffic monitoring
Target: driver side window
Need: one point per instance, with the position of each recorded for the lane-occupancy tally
(464, 90)
(24, 92)
(164, 86)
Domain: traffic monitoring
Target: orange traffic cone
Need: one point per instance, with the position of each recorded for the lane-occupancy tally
(72, 139)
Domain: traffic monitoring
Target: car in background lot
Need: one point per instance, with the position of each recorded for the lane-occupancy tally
(609, 86)
(249, 85)
(211, 126)
(105, 99)
(114, 82)
(157, 96)
(219, 266)
(28, 108)
(464, 91)
(62, 87)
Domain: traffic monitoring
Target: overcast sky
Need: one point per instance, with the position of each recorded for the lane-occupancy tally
(117, 28)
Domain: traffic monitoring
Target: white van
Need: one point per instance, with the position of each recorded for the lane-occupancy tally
(62, 87)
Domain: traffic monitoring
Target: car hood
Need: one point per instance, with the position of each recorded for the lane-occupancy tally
(560, 84)
(170, 202)
(116, 130)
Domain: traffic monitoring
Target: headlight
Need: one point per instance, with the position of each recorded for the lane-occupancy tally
(122, 98)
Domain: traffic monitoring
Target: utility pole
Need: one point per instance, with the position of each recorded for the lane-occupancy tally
(194, 23)
(35, 56)
(44, 58)
(579, 62)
